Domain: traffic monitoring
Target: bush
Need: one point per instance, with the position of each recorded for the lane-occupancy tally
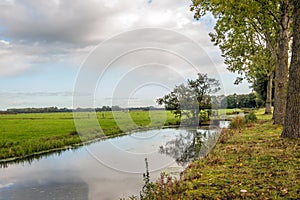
(250, 118)
(237, 122)
(203, 116)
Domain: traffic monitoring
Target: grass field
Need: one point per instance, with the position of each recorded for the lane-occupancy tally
(25, 134)
(251, 162)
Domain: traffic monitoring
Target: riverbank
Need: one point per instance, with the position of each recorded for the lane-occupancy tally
(26, 135)
(248, 163)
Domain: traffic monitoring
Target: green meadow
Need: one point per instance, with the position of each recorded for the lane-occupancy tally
(26, 134)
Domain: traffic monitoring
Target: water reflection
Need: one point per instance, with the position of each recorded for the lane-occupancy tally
(43, 155)
(74, 188)
(184, 148)
(30, 159)
(191, 145)
(194, 143)
(67, 173)
(54, 175)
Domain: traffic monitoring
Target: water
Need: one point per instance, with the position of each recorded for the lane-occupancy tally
(108, 169)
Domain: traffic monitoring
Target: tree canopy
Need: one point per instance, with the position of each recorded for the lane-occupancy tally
(254, 37)
(191, 98)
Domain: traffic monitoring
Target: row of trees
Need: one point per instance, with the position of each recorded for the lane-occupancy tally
(239, 101)
(37, 110)
(254, 37)
(56, 109)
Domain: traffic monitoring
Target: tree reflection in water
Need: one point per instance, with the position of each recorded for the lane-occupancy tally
(191, 145)
(35, 157)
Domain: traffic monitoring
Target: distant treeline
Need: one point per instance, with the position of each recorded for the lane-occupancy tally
(37, 110)
(237, 101)
(230, 101)
(57, 110)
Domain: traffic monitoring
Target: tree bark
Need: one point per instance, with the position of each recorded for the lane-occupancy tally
(292, 118)
(281, 71)
(269, 95)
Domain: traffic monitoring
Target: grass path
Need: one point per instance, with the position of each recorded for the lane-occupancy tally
(249, 163)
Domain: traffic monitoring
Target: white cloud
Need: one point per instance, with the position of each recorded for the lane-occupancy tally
(54, 30)
(6, 185)
(4, 42)
(89, 22)
(34, 32)
(12, 62)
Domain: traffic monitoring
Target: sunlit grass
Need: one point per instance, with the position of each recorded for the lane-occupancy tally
(261, 114)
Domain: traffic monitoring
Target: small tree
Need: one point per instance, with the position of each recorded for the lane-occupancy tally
(190, 99)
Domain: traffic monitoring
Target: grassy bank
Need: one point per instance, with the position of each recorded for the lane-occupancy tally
(25, 134)
(248, 163)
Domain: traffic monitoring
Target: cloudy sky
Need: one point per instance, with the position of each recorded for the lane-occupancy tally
(44, 46)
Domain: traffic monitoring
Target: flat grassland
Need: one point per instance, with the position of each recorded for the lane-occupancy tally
(25, 134)
(22, 135)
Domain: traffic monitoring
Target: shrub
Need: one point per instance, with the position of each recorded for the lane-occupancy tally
(251, 117)
(203, 116)
(237, 122)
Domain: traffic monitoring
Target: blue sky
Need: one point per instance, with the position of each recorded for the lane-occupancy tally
(44, 43)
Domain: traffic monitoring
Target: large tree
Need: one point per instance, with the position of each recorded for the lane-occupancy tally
(191, 99)
(292, 117)
(253, 36)
(281, 71)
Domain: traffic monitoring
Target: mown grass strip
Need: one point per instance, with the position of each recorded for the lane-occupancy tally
(248, 163)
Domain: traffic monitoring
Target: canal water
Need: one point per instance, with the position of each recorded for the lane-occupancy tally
(107, 169)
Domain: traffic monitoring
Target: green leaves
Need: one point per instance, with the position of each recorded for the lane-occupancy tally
(246, 33)
(189, 99)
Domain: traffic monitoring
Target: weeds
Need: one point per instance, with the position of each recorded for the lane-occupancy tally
(237, 122)
(253, 164)
(147, 192)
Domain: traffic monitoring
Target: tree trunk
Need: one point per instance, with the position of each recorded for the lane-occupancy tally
(269, 95)
(281, 71)
(271, 70)
(292, 118)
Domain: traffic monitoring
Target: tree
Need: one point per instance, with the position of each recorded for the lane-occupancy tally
(292, 118)
(253, 36)
(281, 71)
(264, 95)
(189, 147)
(184, 148)
(192, 98)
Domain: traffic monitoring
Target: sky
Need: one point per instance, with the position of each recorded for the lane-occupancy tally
(51, 51)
